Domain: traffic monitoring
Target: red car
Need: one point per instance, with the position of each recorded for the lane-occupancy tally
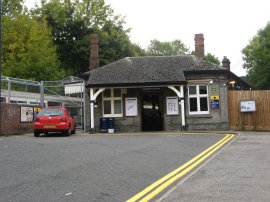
(56, 119)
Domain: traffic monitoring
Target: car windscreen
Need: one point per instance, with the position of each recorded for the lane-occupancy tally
(51, 112)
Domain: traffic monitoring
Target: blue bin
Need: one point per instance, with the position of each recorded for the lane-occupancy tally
(105, 124)
(110, 123)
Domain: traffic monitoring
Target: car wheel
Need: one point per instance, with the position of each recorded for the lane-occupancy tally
(74, 130)
(67, 132)
(36, 134)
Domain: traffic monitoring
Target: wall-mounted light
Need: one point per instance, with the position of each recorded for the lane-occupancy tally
(211, 82)
(232, 82)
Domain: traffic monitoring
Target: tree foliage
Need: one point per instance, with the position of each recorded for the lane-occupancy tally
(176, 47)
(73, 21)
(37, 44)
(211, 58)
(11, 8)
(115, 44)
(158, 48)
(257, 58)
(28, 51)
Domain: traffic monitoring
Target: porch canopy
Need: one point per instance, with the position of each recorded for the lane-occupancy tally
(149, 71)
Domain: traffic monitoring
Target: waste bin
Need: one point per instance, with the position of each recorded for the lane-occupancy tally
(103, 125)
(107, 125)
(110, 125)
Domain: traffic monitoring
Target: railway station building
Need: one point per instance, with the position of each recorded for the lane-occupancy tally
(159, 93)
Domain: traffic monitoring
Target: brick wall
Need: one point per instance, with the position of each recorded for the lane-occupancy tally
(11, 120)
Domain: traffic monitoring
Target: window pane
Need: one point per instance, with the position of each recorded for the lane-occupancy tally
(117, 107)
(107, 107)
(117, 92)
(192, 90)
(203, 89)
(204, 104)
(107, 93)
(193, 104)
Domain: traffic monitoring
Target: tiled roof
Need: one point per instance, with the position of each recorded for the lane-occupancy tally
(154, 70)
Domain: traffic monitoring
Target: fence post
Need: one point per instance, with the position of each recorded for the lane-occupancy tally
(8, 101)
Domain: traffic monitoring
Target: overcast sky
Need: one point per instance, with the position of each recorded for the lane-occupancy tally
(227, 25)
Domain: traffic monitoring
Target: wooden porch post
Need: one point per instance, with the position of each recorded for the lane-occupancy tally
(93, 97)
(92, 126)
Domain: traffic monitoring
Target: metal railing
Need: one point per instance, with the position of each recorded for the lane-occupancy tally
(46, 93)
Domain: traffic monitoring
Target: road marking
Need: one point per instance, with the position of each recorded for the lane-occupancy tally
(195, 170)
(169, 133)
(158, 186)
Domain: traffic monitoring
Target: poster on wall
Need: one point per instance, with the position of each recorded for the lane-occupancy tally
(27, 114)
(172, 105)
(248, 106)
(131, 107)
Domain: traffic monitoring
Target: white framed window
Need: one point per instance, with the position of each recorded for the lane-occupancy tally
(198, 99)
(112, 102)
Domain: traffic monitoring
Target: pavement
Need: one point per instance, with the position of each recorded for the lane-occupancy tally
(238, 172)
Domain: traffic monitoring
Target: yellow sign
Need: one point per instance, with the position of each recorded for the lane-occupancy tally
(215, 97)
(36, 109)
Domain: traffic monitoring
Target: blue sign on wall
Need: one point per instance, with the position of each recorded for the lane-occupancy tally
(215, 104)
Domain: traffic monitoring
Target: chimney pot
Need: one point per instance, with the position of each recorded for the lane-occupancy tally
(199, 45)
(94, 58)
(226, 63)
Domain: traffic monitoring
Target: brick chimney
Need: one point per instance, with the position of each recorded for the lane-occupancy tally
(94, 59)
(226, 63)
(199, 45)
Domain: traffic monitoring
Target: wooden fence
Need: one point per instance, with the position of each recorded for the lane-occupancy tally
(258, 120)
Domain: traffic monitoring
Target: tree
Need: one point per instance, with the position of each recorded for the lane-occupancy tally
(11, 8)
(157, 48)
(257, 58)
(211, 58)
(68, 32)
(28, 51)
(139, 51)
(73, 21)
(115, 43)
(94, 13)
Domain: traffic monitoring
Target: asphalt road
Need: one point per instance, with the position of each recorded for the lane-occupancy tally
(90, 168)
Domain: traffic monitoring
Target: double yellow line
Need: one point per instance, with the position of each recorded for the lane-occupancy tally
(158, 186)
